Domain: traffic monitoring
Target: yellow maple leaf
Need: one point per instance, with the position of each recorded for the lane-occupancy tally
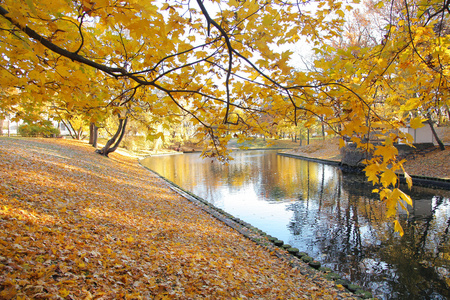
(388, 177)
(408, 180)
(398, 228)
(406, 198)
(416, 123)
(64, 293)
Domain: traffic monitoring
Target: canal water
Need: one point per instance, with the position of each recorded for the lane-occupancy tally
(332, 216)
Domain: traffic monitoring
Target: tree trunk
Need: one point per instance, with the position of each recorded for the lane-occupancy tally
(95, 136)
(300, 136)
(91, 133)
(116, 139)
(438, 140)
(1, 126)
(323, 131)
(68, 129)
(308, 135)
(77, 133)
(80, 134)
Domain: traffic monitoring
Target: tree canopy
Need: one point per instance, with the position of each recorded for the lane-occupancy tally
(220, 63)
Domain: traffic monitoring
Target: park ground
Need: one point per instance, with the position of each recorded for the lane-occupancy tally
(77, 225)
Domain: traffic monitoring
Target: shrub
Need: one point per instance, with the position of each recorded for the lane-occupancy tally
(42, 128)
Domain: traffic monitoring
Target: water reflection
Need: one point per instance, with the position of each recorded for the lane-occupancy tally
(333, 217)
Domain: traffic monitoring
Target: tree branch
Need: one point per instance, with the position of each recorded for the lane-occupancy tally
(230, 54)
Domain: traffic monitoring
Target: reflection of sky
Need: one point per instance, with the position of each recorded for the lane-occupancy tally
(442, 211)
(246, 204)
(333, 217)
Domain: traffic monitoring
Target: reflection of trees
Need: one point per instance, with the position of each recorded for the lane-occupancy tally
(361, 243)
(427, 224)
(415, 262)
(305, 178)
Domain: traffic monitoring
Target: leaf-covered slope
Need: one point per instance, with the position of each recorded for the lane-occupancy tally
(77, 225)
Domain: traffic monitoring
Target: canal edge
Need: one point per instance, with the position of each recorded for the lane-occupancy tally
(423, 181)
(299, 260)
(318, 160)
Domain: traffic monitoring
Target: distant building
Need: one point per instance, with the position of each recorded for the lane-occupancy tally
(420, 135)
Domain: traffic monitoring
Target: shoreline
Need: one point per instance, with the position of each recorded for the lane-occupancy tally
(423, 181)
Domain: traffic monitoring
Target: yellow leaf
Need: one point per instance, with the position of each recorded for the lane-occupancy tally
(379, 5)
(391, 198)
(416, 123)
(340, 13)
(388, 178)
(398, 228)
(268, 20)
(372, 171)
(408, 180)
(201, 54)
(63, 292)
(130, 239)
(88, 295)
(31, 5)
(406, 198)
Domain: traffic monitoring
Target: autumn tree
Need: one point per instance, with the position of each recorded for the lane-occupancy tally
(199, 53)
(220, 64)
(399, 80)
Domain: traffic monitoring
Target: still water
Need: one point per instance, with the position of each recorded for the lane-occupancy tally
(333, 217)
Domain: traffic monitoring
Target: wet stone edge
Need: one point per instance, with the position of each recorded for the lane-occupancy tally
(305, 264)
(318, 160)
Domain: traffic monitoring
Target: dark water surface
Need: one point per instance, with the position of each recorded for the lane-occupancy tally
(333, 217)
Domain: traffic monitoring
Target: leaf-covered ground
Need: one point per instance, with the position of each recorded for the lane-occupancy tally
(327, 149)
(435, 164)
(76, 225)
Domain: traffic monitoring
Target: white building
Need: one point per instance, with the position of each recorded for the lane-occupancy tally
(420, 135)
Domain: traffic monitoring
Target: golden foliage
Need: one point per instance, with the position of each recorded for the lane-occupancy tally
(220, 66)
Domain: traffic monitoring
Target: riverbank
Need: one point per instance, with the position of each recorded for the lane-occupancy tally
(435, 164)
(77, 225)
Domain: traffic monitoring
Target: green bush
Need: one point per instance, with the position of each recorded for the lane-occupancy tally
(42, 128)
